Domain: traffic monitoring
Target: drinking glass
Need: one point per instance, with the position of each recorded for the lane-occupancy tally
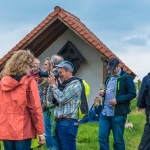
(102, 87)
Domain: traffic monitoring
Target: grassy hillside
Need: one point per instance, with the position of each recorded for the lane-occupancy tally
(88, 133)
(87, 138)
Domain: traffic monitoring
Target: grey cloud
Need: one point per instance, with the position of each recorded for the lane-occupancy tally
(136, 41)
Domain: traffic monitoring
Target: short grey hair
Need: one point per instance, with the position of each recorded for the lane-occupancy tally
(49, 59)
(56, 59)
(37, 60)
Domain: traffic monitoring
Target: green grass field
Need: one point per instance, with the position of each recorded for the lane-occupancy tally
(87, 138)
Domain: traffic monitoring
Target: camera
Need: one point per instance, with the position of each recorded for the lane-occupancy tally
(46, 74)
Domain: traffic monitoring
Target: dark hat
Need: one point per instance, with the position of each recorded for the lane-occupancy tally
(112, 64)
(66, 64)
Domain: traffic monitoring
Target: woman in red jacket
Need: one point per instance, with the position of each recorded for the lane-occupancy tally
(20, 109)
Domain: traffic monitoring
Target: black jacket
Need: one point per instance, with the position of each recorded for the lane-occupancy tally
(125, 91)
(144, 96)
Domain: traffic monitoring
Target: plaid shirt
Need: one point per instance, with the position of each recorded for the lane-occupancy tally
(68, 100)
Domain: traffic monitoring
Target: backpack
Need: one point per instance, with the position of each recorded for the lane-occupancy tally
(87, 92)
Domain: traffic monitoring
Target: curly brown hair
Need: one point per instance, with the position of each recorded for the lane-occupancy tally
(19, 62)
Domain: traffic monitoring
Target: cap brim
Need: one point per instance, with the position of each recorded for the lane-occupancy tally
(59, 66)
(109, 68)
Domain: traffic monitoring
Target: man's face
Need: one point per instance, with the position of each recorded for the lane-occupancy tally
(47, 66)
(36, 65)
(114, 72)
(63, 73)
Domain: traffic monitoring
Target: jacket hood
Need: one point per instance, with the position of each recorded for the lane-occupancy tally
(8, 83)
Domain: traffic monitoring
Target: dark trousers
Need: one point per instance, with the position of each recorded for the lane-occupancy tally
(47, 125)
(17, 144)
(90, 118)
(116, 123)
(66, 132)
(145, 140)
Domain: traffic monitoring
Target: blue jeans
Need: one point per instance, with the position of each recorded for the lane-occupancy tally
(17, 144)
(66, 131)
(116, 123)
(47, 130)
(56, 143)
(90, 118)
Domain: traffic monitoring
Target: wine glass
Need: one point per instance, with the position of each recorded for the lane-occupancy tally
(102, 88)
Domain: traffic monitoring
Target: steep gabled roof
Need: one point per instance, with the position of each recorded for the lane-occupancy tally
(62, 20)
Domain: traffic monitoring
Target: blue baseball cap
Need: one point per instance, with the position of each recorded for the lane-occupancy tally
(66, 64)
(112, 63)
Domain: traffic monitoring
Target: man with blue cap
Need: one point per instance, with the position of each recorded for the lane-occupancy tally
(119, 91)
(67, 98)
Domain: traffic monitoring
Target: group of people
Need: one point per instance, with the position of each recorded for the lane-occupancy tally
(46, 103)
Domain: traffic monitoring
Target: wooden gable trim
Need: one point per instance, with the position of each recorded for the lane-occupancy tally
(47, 37)
(50, 41)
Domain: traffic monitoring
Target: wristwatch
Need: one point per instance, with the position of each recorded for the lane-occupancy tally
(53, 86)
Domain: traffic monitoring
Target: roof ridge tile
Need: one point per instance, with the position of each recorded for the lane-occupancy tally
(70, 14)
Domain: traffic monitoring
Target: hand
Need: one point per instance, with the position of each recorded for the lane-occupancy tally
(52, 80)
(101, 93)
(41, 79)
(113, 102)
(41, 139)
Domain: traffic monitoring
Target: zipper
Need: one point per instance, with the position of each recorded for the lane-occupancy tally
(118, 85)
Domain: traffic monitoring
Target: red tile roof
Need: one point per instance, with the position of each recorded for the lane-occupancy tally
(74, 24)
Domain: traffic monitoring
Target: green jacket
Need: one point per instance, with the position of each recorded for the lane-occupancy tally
(125, 91)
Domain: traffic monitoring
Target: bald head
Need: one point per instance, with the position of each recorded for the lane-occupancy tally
(36, 60)
(55, 60)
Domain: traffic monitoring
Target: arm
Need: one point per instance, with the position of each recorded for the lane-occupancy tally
(50, 96)
(141, 102)
(35, 108)
(71, 90)
(130, 91)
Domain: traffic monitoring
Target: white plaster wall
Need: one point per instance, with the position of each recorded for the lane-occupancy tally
(91, 70)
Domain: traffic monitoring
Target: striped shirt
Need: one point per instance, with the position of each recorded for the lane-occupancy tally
(68, 100)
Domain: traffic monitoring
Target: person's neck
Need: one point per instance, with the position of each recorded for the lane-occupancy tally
(35, 71)
(68, 77)
(48, 70)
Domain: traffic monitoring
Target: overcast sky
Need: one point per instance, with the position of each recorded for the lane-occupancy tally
(123, 26)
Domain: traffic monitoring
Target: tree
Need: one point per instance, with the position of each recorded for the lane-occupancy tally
(137, 85)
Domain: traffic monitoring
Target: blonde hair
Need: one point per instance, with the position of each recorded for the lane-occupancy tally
(97, 99)
(19, 62)
(1, 73)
